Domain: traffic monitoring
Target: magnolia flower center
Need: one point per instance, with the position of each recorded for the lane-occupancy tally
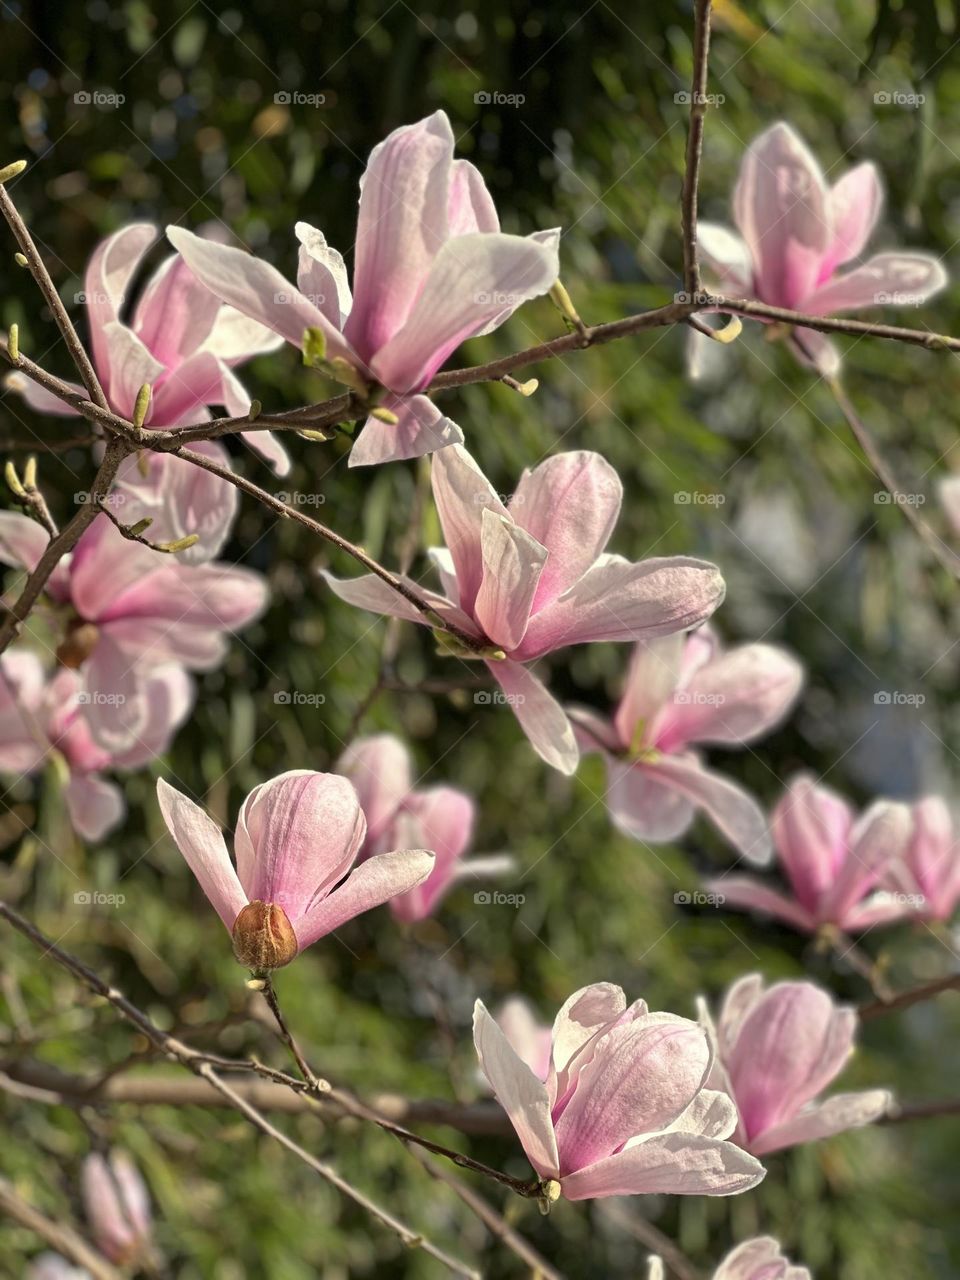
(263, 937)
(78, 644)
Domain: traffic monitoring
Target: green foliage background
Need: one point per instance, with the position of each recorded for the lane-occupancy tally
(811, 561)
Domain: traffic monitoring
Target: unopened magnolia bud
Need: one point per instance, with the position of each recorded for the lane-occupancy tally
(13, 342)
(21, 260)
(12, 170)
(78, 644)
(263, 937)
(384, 415)
(253, 413)
(142, 405)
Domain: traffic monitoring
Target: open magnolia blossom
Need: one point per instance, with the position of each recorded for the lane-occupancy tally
(831, 859)
(758, 1259)
(777, 1050)
(924, 883)
(682, 692)
(117, 1206)
(296, 843)
(797, 231)
(43, 719)
(401, 816)
(532, 576)
(180, 339)
(624, 1108)
(122, 610)
(432, 268)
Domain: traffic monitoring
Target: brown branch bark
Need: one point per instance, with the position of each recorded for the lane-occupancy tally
(691, 174)
(59, 1235)
(906, 999)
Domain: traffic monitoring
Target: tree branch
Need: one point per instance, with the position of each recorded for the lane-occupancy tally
(59, 1235)
(691, 173)
(906, 999)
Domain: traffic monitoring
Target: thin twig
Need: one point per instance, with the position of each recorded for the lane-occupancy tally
(59, 1235)
(286, 1035)
(691, 174)
(53, 300)
(906, 999)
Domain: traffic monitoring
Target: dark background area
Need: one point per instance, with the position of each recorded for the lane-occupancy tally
(811, 561)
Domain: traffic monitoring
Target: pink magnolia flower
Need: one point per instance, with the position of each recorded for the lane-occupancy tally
(532, 576)
(777, 1050)
(624, 1109)
(831, 860)
(180, 339)
(117, 1205)
(40, 718)
(530, 1039)
(399, 815)
(681, 692)
(924, 882)
(757, 1259)
(123, 610)
(796, 232)
(432, 268)
(296, 842)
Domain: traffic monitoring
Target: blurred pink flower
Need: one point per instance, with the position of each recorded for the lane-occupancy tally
(400, 816)
(948, 491)
(532, 576)
(432, 268)
(623, 1109)
(757, 1259)
(681, 692)
(777, 1050)
(529, 1038)
(796, 231)
(40, 716)
(831, 860)
(117, 1205)
(296, 843)
(124, 609)
(50, 1266)
(180, 339)
(924, 883)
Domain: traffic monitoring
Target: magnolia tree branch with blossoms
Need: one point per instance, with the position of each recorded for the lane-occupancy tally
(610, 1098)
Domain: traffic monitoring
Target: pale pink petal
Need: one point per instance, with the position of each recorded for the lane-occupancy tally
(541, 717)
(780, 208)
(187, 389)
(322, 275)
(201, 842)
(642, 1076)
(169, 694)
(581, 1016)
(421, 428)
(113, 697)
(130, 366)
(652, 676)
(440, 819)
(22, 540)
(815, 351)
(879, 838)
(948, 490)
(733, 811)
(380, 769)
(790, 1046)
(644, 806)
(39, 398)
(512, 565)
(472, 280)
(735, 698)
(522, 1096)
(371, 592)
(109, 273)
(759, 1259)
(369, 885)
(569, 504)
(711, 1114)
(853, 205)
(677, 1164)
(256, 289)
(617, 600)
(95, 806)
(297, 836)
(740, 998)
(235, 337)
(593, 732)
(824, 1119)
(526, 1035)
(175, 314)
(462, 493)
(753, 895)
(471, 206)
(811, 826)
(402, 223)
(105, 564)
(725, 257)
(898, 279)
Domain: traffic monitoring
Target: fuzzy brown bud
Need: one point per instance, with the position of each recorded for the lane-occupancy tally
(77, 645)
(263, 937)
